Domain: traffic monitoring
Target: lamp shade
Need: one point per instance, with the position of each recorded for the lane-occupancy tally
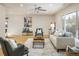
(52, 25)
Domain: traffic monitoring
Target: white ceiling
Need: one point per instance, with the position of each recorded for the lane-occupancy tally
(28, 8)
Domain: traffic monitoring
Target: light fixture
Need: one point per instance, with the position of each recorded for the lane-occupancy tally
(21, 5)
(50, 5)
(52, 25)
(6, 23)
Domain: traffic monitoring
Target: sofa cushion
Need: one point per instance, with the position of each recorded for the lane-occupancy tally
(63, 34)
(68, 34)
(13, 44)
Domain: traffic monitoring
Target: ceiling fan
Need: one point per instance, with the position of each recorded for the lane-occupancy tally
(38, 9)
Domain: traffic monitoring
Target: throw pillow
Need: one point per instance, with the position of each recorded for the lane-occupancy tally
(13, 44)
(68, 34)
(39, 31)
(60, 34)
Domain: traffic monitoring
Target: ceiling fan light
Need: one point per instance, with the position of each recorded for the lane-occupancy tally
(21, 5)
(50, 5)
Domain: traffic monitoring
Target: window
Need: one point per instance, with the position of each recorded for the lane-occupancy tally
(78, 25)
(69, 22)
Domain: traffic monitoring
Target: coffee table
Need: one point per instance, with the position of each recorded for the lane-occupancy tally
(38, 40)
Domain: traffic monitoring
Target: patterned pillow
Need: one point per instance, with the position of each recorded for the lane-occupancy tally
(13, 44)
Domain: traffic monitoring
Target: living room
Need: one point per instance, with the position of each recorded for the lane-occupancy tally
(52, 18)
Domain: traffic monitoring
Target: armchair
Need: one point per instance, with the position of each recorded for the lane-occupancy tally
(72, 51)
(8, 51)
(39, 32)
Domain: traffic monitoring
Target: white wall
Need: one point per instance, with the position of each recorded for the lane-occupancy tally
(16, 23)
(42, 21)
(2, 22)
(68, 9)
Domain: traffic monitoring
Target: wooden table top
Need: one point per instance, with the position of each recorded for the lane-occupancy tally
(38, 37)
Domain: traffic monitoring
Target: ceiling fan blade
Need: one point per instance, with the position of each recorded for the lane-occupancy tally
(39, 7)
(42, 9)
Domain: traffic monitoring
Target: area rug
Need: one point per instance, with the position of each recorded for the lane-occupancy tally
(48, 49)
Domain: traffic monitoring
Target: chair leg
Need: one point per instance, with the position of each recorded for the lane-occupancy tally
(27, 54)
(43, 44)
(33, 45)
(57, 50)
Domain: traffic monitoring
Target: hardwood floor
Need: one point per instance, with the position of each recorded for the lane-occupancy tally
(22, 39)
(19, 38)
(1, 53)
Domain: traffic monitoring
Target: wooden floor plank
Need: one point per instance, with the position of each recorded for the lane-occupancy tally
(1, 53)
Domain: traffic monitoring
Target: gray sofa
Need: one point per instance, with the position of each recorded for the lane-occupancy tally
(61, 42)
